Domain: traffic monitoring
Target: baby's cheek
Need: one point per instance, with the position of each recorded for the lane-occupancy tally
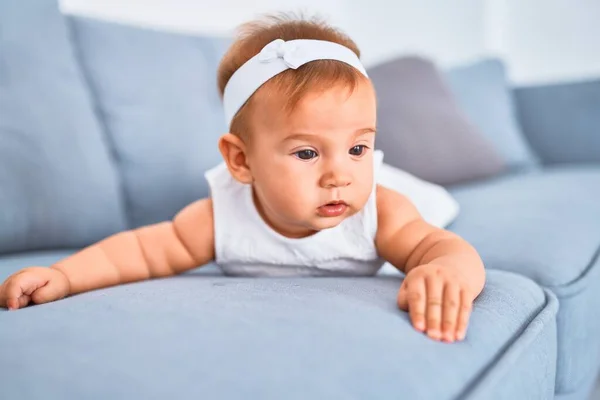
(363, 198)
(284, 189)
(364, 189)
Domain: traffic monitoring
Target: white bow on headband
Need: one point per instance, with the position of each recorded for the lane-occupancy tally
(279, 48)
(275, 58)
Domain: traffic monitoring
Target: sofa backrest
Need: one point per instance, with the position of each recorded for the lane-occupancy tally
(562, 121)
(58, 184)
(484, 93)
(156, 94)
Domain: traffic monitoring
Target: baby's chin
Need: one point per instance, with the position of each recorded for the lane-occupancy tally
(322, 223)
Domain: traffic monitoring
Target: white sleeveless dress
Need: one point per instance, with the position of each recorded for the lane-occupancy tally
(246, 245)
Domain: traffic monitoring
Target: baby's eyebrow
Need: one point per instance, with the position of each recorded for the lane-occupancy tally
(307, 137)
(301, 136)
(364, 131)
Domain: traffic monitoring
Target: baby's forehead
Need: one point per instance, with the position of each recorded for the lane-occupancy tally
(321, 109)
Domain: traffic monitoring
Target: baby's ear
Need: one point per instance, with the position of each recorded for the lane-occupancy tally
(233, 150)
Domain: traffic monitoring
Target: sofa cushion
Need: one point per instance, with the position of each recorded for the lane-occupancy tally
(303, 338)
(543, 224)
(546, 225)
(58, 185)
(157, 96)
(485, 95)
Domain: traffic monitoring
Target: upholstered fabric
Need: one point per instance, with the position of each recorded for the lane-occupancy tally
(562, 121)
(235, 338)
(156, 93)
(484, 94)
(543, 224)
(546, 225)
(58, 185)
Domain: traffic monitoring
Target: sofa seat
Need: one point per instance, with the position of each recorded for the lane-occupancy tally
(205, 335)
(545, 225)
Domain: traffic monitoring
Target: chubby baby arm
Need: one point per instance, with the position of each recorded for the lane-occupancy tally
(444, 273)
(153, 251)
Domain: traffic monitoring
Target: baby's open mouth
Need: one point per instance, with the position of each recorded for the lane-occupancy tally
(333, 208)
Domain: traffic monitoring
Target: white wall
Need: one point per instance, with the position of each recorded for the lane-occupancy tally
(382, 28)
(449, 31)
(195, 16)
(548, 40)
(542, 40)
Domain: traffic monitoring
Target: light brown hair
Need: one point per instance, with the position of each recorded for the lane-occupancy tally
(291, 84)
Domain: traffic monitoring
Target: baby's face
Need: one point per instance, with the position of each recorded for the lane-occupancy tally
(314, 167)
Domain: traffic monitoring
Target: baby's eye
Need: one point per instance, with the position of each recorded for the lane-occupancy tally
(306, 154)
(358, 150)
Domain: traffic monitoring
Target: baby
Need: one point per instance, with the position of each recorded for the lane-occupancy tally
(296, 194)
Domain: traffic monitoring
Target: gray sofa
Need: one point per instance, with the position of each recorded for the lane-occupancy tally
(106, 127)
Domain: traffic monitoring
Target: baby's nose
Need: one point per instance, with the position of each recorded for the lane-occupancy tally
(335, 179)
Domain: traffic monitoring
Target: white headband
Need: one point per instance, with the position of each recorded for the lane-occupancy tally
(275, 58)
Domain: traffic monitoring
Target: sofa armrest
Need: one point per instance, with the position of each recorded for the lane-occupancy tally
(562, 121)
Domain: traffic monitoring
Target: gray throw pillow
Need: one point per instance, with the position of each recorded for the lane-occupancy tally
(421, 128)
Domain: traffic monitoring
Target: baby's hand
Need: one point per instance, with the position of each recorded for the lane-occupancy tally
(37, 284)
(439, 300)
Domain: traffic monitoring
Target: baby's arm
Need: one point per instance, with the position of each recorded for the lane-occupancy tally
(153, 251)
(444, 273)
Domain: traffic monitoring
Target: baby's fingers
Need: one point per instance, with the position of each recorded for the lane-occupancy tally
(435, 288)
(450, 312)
(10, 295)
(416, 303)
(18, 290)
(466, 305)
(24, 300)
(403, 297)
